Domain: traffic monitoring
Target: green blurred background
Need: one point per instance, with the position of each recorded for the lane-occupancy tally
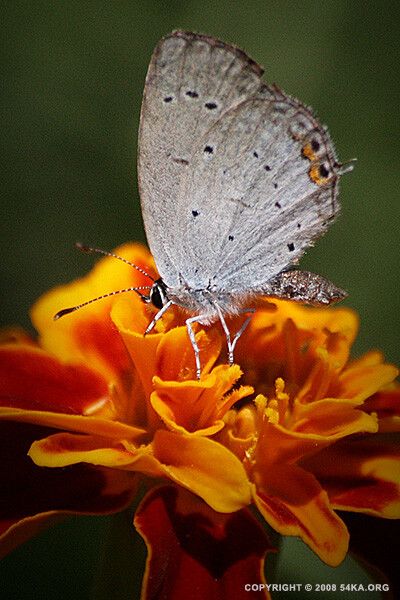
(73, 75)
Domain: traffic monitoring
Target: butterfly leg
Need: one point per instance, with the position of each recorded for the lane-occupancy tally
(232, 343)
(192, 337)
(243, 327)
(158, 316)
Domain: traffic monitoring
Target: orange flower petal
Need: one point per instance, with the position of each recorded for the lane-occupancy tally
(335, 319)
(174, 407)
(208, 554)
(334, 418)
(204, 467)
(369, 359)
(64, 449)
(361, 476)
(293, 503)
(142, 349)
(198, 406)
(88, 334)
(361, 381)
(176, 358)
(267, 324)
(279, 445)
(385, 402)
(295, 338)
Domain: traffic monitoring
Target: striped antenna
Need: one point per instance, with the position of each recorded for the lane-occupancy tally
(67, 311)
(88, 250)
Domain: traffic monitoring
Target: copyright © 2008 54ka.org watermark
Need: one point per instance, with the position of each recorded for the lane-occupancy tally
(317, 587)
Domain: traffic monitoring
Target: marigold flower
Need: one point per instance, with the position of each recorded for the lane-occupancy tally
(291, 427)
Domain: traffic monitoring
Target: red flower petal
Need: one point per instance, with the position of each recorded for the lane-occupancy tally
(197, 553)
(386, 405)
(32, 497)
(360, 476)
(33, 380)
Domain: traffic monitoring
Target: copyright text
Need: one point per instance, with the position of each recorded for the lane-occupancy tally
(317, 587)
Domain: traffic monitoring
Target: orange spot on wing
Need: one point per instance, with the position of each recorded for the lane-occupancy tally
(315, 174)
(308, 152)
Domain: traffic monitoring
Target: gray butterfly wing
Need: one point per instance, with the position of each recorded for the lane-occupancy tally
(236, 178)
(192, 80)
(262, 185)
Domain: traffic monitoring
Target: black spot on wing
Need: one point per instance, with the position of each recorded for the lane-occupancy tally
(315, 145)
(323, 171)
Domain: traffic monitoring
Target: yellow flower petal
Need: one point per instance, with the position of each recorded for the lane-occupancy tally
(78, 423)
(204, 467)
(64, 449)
(361, 381)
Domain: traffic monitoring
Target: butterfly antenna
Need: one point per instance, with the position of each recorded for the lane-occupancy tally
(88, 250)
(67, 311)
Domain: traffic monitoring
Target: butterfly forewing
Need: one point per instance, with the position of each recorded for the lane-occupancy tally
(192, 80)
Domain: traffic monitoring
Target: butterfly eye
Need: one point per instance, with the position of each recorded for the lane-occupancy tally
(158, 296)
